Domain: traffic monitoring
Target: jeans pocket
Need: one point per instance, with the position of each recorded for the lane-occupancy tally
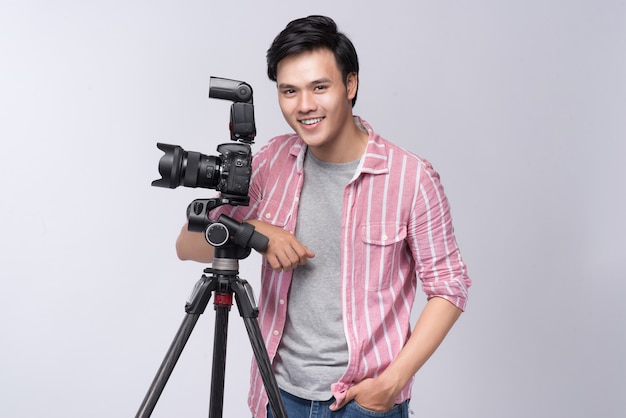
(354, 410)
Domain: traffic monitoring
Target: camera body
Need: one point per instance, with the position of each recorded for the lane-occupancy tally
(234, 181)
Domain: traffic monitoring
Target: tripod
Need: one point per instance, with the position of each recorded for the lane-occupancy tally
(222, 278)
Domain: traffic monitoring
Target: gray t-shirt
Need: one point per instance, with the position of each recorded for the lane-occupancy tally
(313, 352)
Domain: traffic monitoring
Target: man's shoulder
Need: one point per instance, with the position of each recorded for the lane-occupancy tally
(285, 143)
(383, 146)
(388, 149)
(278, 154)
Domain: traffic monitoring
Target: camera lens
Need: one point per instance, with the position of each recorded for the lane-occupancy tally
(190, 169)
(201, 170)
(170, 166)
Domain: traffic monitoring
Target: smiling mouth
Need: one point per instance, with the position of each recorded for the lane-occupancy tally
(312, 121)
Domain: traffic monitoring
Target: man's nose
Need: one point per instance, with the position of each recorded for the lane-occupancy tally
(306, 103)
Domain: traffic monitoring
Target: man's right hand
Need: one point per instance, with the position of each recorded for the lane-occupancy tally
(284, 252)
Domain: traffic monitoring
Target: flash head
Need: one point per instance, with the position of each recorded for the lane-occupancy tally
(227, 89)
(242, 125)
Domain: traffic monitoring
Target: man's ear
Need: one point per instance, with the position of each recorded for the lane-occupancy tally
(352, 85)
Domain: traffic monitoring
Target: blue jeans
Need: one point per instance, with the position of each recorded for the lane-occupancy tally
(302, 408)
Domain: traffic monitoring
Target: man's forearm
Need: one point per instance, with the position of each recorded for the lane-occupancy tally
(436, 319)
(193, 246)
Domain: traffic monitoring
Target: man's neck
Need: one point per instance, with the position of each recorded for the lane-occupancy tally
(350, 148)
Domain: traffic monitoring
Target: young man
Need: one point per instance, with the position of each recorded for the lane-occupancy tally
(353, 221)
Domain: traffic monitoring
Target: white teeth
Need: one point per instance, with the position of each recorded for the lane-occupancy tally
(311, 121)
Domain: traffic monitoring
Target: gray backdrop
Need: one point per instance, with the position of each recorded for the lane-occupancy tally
(520, 105)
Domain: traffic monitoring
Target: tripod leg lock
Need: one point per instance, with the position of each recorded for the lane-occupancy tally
(223, 300)
(245, 299)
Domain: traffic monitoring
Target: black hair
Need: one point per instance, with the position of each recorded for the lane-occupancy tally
(311, 33)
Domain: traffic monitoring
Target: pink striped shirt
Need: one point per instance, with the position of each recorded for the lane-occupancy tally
(396, 228)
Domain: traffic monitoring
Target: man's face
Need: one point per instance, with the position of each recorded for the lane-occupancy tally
(315, 101)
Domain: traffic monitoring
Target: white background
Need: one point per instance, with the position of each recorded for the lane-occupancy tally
(520, 105)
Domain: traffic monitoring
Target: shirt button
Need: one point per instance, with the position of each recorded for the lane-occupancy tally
(268, 215)
(276, 332)
(384, 237)
(297, 199)
(282, 301)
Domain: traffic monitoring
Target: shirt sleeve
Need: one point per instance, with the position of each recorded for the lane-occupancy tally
(440, 266)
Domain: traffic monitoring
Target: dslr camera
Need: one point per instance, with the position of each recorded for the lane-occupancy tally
(229, 172)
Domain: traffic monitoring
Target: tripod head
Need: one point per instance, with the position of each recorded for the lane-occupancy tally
(230, 238)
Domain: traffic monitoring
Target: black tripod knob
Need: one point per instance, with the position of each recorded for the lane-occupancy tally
(217, 234)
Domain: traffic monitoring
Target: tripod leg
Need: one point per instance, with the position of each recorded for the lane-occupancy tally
(265, 367)
(219, 362)
(194, 308)
(249, 312)
(167, 366)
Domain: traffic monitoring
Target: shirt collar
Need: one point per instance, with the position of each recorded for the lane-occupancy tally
(373, 161)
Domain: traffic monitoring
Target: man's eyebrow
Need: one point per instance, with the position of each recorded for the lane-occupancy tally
(321, 81)
(312, 83)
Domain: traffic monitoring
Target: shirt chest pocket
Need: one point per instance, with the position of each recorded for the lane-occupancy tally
(382, 253)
